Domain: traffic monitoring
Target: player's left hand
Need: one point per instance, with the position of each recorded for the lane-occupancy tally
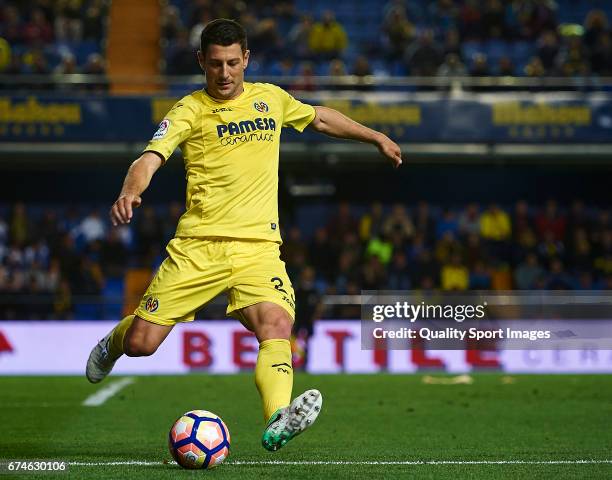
(391, 150)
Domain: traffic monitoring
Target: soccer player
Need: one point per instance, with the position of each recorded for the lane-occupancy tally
(228, 239)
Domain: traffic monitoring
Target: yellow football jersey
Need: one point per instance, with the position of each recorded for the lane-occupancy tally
(231, 151)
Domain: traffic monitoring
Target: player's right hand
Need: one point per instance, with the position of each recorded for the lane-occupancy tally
(122, 210)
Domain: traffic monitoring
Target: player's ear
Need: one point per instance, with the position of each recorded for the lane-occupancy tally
(201, 60)
(247, 53)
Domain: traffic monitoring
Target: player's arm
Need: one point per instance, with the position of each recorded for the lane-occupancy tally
(335, 124)
(136, 181)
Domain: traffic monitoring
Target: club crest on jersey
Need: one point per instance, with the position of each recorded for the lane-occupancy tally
(152, 304)
(261, 106)
(162, 129)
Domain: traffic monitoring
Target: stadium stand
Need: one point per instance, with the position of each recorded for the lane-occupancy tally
(63, 262)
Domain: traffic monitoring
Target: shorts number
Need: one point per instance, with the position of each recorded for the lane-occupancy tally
(278, 284)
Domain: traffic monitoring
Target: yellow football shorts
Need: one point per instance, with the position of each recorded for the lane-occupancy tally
(197, 270)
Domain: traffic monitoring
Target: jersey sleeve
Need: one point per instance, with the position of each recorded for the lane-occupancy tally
(173, 130)
(295, 113)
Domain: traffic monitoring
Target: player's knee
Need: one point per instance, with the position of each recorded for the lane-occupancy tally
(277, 325)
(139, 347)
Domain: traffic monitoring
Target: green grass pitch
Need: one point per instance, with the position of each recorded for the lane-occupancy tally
(365, 418)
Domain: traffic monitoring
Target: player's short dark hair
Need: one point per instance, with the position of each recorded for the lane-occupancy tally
(225, 32)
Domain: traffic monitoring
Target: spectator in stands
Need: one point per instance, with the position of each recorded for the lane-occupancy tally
(548, 49)
(399, 276)
(341, 223)
(373, 274)
(528, 273)
(600, 56)
(595, 24)
(380, 247)
(400, 222)
(204, 17)
(299, 38)
(573, 58)
(398, 32)
(96, 66)
(446, 246)
(424, 223)
(67, 66)
(114, 255)
(91, 228)
(577, 219)
(20, 227)
(452, 43)
(93, 21)
(293, 248)
(470, 21)
(371, 223)
(505, 67)
(495, 224)
(38, 31)
(580, 251)
(540, 16)
(328, 38)
(337, 70)
(308, 308)
(480, 66)
(473, 252)
(551, 220)
(181, 61)
(550, 247)
(15, 66)
(558, 279)
(361, 69)
(265, 39)
(443, 14)
(447, 224)
(452, 67)
(306, 81)
(494, 19)
(423, 57)
(68, 25)
(468, 222)
(454, 275)
(11, 24)
(171, 23)
(321, 254)
(535, 68)
(480, 277)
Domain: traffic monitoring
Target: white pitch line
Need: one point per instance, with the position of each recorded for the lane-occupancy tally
(373, 462)
(107, 392)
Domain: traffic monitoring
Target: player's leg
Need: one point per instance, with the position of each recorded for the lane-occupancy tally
(193, 273)
(273, 371)
(272, 324)
(133, 336)
(262, 297)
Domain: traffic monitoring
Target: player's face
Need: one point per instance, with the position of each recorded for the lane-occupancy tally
(224, 67)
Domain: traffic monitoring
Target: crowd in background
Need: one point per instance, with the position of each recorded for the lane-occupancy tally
(401, 37)
(53, 37)
(52, 260)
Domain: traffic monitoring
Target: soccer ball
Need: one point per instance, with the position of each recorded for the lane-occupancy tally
(199, 439)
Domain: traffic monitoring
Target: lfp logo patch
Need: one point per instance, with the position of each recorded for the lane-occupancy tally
(261, 107)
(162, 129)
(152, 304)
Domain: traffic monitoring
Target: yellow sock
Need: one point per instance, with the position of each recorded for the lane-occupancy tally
(274, 375)
(115, 345)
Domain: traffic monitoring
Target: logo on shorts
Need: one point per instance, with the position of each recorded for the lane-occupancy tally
(152, 304)
(273, 226)
(261, 106)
